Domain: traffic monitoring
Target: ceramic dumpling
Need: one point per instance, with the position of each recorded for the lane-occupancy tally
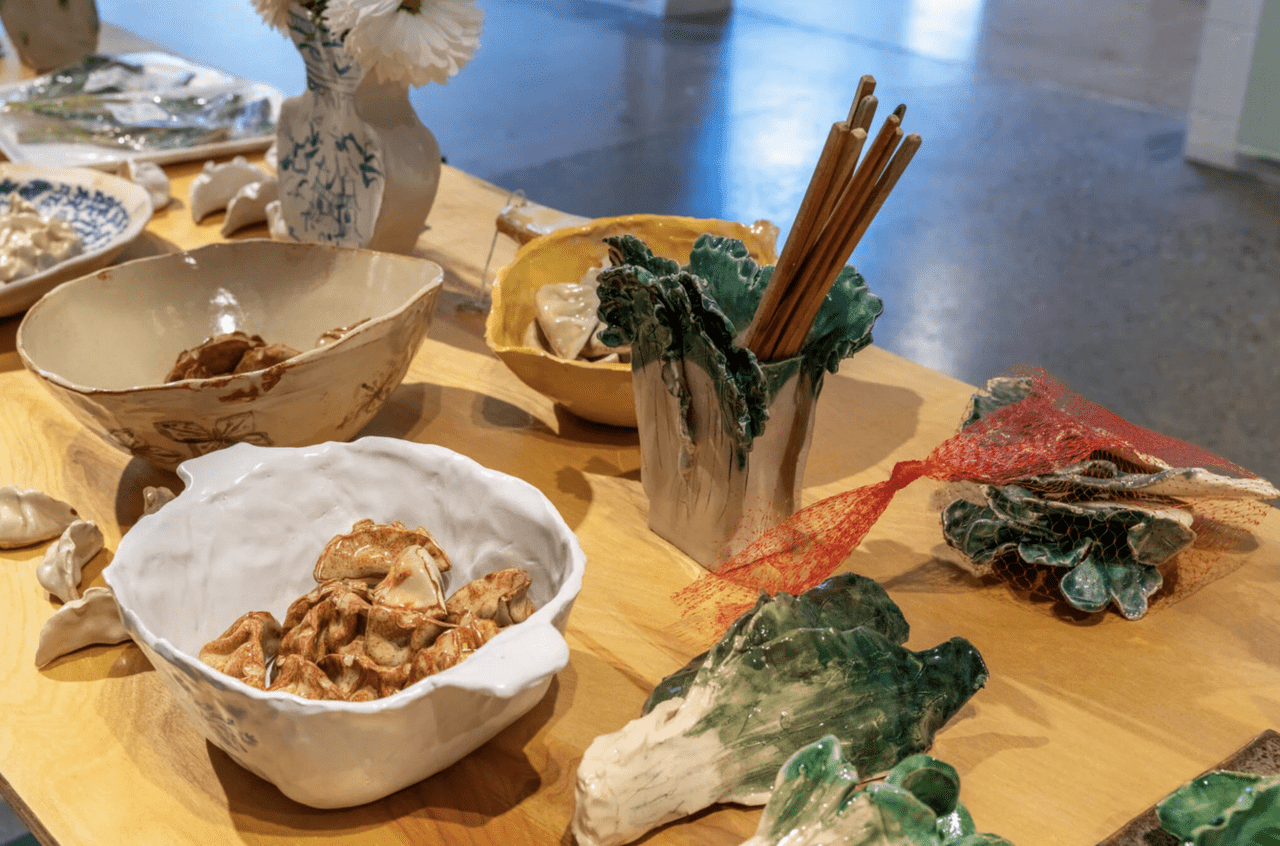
(155, 498)
(249, 205)
(59, 571)
(369, 549)
(29, 517)
(567, 316)
(92, 619)
(213, 189)
(499, 596)
(151, 177)
(244, 650)
(414, 583)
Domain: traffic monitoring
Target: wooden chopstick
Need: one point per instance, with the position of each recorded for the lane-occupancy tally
(842, 198)
(822, 264)
(838, 158)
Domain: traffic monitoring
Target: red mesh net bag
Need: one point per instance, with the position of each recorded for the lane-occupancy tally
(1042, 489)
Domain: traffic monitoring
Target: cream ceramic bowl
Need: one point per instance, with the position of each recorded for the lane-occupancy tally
(104, 343)
(599, 392)
(244, 536)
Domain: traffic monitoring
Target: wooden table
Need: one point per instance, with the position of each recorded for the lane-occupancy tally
(1082, 726)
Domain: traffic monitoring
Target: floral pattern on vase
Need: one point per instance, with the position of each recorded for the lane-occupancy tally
(356, 165)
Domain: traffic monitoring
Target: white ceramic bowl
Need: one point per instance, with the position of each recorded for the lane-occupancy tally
(106, 211)
(244, 535)
(104, 343)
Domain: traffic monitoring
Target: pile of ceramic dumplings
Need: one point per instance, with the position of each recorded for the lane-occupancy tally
(376, 623)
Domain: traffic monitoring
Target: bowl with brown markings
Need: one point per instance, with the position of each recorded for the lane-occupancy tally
(348, 322)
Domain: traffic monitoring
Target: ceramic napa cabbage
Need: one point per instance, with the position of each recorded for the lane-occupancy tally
(1224, 809)
(782, 676)
(147, 311)
(723, 437)
(1108, 551)
(817, 800)
(1106, 524)
(244, 535)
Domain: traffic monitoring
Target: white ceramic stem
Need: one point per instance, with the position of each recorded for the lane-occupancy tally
(702, 497)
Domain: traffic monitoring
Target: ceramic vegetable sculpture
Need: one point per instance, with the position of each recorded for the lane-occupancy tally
(784, 675)
(723, 437)
(1224, 809)
(817, 801)
(1105, 525)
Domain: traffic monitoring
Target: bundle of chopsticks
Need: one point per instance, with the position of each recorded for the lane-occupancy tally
(843, 197)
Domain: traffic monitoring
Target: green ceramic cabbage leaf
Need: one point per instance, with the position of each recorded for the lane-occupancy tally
(1108, 549)
(817, 800)
(759, 695)
(842, 602)
(995, 395)
(669, 314)
(1224, 809)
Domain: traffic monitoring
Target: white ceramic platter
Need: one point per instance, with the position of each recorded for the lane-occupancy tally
(167, 74)
(107, 211)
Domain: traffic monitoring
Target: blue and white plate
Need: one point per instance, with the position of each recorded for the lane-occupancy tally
(107, 211)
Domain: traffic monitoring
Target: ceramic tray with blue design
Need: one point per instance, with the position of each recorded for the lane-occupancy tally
(106, 211)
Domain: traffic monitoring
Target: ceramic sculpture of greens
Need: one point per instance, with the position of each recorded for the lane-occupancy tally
(785, 674)
(818, 800)
(1224, 808)
(1106, 525)
(669, 313)
(723, 436)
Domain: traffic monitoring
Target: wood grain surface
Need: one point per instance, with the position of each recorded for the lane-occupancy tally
(1082, 726)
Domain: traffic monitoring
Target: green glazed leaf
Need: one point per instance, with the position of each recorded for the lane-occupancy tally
(1224, 809)
(841, 603)
(817, 800)
(1108, 549)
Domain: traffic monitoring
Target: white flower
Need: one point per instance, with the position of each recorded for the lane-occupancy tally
(407, 40)
(274, 12)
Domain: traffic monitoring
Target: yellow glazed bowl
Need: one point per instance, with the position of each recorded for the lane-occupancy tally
(595, 391)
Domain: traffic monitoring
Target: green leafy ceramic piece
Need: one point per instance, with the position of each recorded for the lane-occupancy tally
(1224, 809)
(1109, 549)
(995, 395)
(669, 314)
(841, 603)
(817, 800)
(764, 690)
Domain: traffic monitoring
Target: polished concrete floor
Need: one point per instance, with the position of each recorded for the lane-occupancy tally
(1049, 218)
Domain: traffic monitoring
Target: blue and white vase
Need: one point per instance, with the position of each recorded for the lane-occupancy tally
(357, 167)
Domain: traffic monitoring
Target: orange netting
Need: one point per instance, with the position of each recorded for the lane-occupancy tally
(1020, 444)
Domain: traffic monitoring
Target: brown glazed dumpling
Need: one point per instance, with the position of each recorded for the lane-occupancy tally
(499, 596)
(336, 623)
(243, 650)
(360, 678)
(216, 356)
(370, 549)
(264, 356)
(453, 647)
(295, 674)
